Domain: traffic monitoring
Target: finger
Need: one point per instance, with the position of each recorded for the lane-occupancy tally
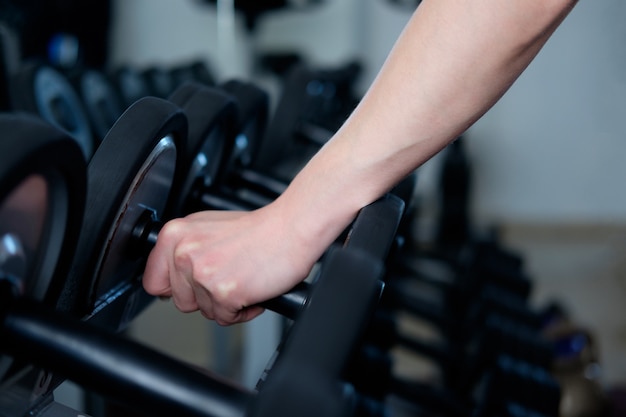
(156, 277)
(182, 292)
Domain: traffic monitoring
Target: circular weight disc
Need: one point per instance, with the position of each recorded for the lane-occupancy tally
(42, 195)
(100, 101)
(253, 116)
(159, 80)
(134, 168)
(195, 71)
(212, 118)
(50, 166)
(42, 90)
(130, 85)
(284, 121)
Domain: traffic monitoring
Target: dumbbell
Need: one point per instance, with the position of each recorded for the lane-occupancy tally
(371, 372)
(458, 322)
(229, 119)
(41, 336)
(41, 89)
(159, 81)
(296, 131)
(200, 100)
(304, 379)
(130, 84)
(10, 60)
(192, 71)
(460, 365)
(42, 194)
(246, 176)
(135, 166)
(482, 263)
(226, 175)
(99, 98)
(454, 303)
(126, 190)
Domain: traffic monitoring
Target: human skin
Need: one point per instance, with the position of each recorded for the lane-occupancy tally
(452, 62)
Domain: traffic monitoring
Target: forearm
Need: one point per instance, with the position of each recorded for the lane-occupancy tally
(453, 61)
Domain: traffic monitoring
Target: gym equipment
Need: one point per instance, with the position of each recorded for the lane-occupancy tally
(41, 89)
(159, 81)
(224, 128)
(94, 355)
(295, 132)
(253, 10)
(130, 84)
(133, 169)
(99, 98)
(42, 193)
(193, 71)
(253, 105)
(10, 60)
(155, 384)
(453, 225)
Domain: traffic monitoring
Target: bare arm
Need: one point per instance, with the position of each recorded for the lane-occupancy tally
(453, 61)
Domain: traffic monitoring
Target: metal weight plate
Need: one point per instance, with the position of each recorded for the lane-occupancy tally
(40, 89)
(212, 119)
(100, 100)
(132, 171)
(42, 195)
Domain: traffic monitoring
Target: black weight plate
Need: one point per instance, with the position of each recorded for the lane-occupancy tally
(9, 61)
(159, 81)
(283, 124)
(253, 115)
(212, 118)
(100, 100)
(32, 147)
(130, 85)
(42, 196)
(305, 379)
(195, 71)
(134, 168)
(40, 89)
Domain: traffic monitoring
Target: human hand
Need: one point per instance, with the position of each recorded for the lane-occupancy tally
(225, 263)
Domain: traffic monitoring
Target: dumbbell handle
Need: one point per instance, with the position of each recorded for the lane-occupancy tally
(373, 231)
(146, 232)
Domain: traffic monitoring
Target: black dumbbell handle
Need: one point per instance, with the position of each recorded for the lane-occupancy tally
(373, 231)
(146, 232)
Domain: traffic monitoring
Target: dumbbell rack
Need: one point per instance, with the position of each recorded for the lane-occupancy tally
(202, 147)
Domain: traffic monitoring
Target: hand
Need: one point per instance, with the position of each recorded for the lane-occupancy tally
(224, 263)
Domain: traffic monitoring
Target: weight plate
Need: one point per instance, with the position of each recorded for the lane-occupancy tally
(253, 115)
(133, 169)
(42, 196)
(284, 122)
(130, 85)
(40, 89)
(99, 99)
(212, 118)
(196, 71)
(159, 81)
